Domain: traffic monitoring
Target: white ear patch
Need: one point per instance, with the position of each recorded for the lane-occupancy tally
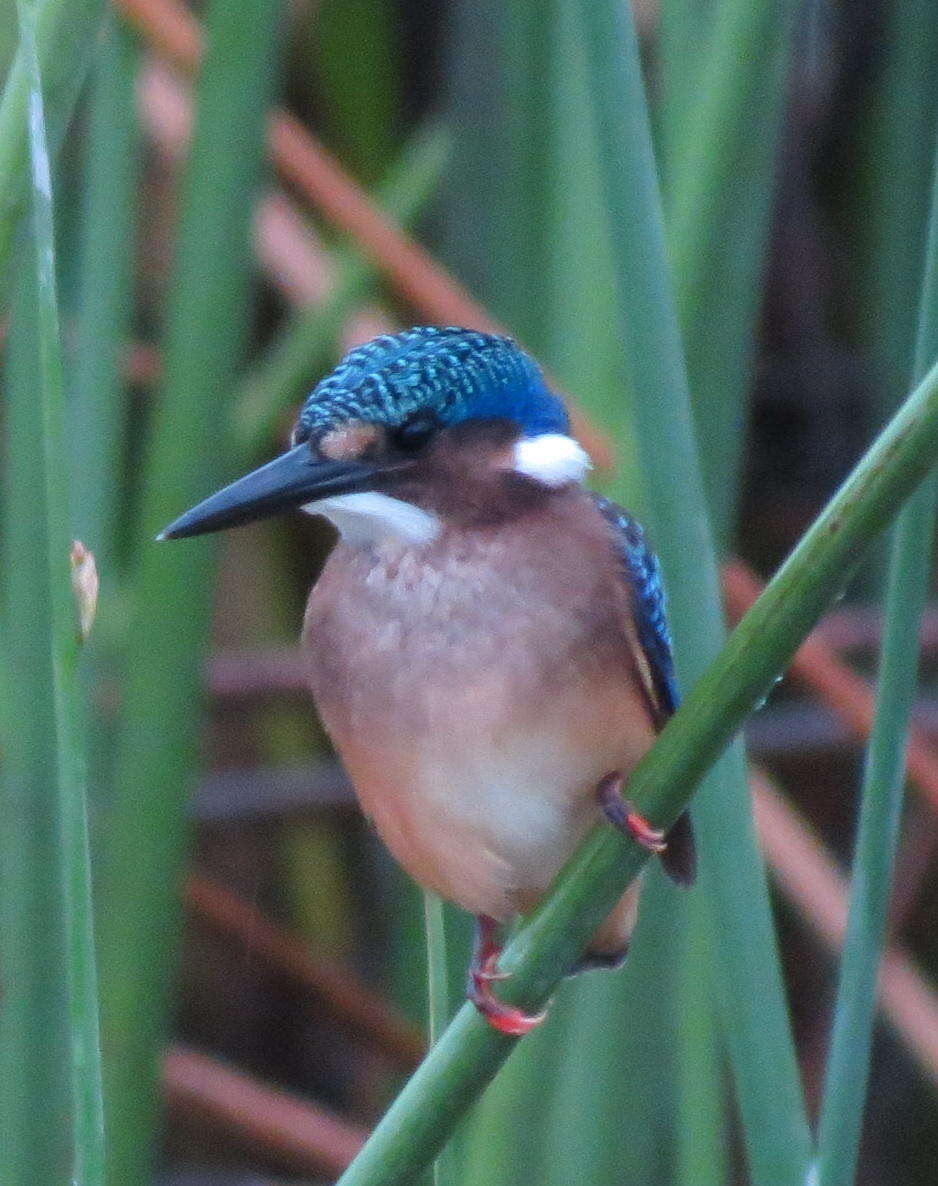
(367, 517)
(552, 458)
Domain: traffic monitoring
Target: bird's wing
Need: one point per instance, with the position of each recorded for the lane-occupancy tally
(642, 573)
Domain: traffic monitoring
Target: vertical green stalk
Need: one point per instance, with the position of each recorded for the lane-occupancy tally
(57, 624)
(437, 967)
(899, 185)
(682, 45)
(65, 33)
(565, 1108)
(724, 69)
(720, 163)
(34, 1142)
(756, 1021)
(883, 788)
(157, 746)
(358, 40)
(701, 1155)
(105, 290)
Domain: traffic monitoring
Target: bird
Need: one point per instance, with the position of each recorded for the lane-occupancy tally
(487, 644)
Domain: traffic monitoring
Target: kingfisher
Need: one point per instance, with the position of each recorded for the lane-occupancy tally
(487, 645)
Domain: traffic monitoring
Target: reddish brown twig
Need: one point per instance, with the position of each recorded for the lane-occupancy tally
(813, 882)
(363, 1014)
(294, 1132)
(172, 30)
(847, 694)
(817, 666)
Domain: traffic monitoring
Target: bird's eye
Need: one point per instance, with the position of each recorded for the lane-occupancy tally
(415, 432)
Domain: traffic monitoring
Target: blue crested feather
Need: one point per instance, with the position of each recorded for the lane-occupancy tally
(447, 373)
(643, 572)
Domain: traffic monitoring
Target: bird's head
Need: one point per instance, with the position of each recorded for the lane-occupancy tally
(398, 417)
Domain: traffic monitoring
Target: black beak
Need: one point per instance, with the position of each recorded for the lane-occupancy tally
(294, 478)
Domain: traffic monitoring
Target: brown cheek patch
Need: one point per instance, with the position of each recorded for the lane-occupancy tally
(350, 441)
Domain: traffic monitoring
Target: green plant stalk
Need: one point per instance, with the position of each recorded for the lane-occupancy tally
(105, 292)
(847, 1070)
(65, 33)
(303, 347)
(565, 1107)
(719, 122)
(437, 966)
(103, 313)
(157, 743)
(470, 1052)
(615, 1062)
(73, 847)
(34, 1088)
(731, 874)
(9, 38)
(701, 1153)
(682, 45)
(361, 117)
(898, 188)
(718, 224)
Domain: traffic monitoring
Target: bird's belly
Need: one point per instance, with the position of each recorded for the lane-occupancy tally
(489, 835)
(475, 719)
(484, 811)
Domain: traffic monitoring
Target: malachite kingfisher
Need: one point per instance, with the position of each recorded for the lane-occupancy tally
(487, 644)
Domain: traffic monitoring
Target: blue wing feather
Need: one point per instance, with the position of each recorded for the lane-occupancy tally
(642, 573)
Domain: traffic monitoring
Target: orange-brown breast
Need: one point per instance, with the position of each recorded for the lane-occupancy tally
(477, 690)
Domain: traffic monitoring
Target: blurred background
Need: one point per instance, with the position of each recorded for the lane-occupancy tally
(262, 962)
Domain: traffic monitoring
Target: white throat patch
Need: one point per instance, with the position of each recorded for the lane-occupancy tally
(552, 458)
(368, 517)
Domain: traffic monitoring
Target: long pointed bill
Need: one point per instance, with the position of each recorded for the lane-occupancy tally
(294, 478)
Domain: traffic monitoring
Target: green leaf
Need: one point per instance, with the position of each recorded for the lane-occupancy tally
(732, 877)
(185, 455)
(721, 146)
(847, 1070)
(65, 33)
(44, 767)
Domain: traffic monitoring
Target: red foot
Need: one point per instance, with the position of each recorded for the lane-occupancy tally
(482, 971)
(622, 815)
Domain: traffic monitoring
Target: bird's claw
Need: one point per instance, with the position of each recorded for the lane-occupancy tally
(643, 833)
(507, 1019)
(622, 815)
(483, 970)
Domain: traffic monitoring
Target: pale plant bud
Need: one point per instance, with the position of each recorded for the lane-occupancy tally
(84, 586)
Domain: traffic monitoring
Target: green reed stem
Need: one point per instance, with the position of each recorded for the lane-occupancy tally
(65, 33)
(847, 1070)
(749, 979)
(470, 1052)
(157, 744)
(64, 638)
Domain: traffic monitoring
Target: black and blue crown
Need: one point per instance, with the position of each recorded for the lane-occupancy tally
(447, 374)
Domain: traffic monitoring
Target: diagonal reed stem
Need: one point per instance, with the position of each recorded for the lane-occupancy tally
(469, 1053)
(882, 794)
